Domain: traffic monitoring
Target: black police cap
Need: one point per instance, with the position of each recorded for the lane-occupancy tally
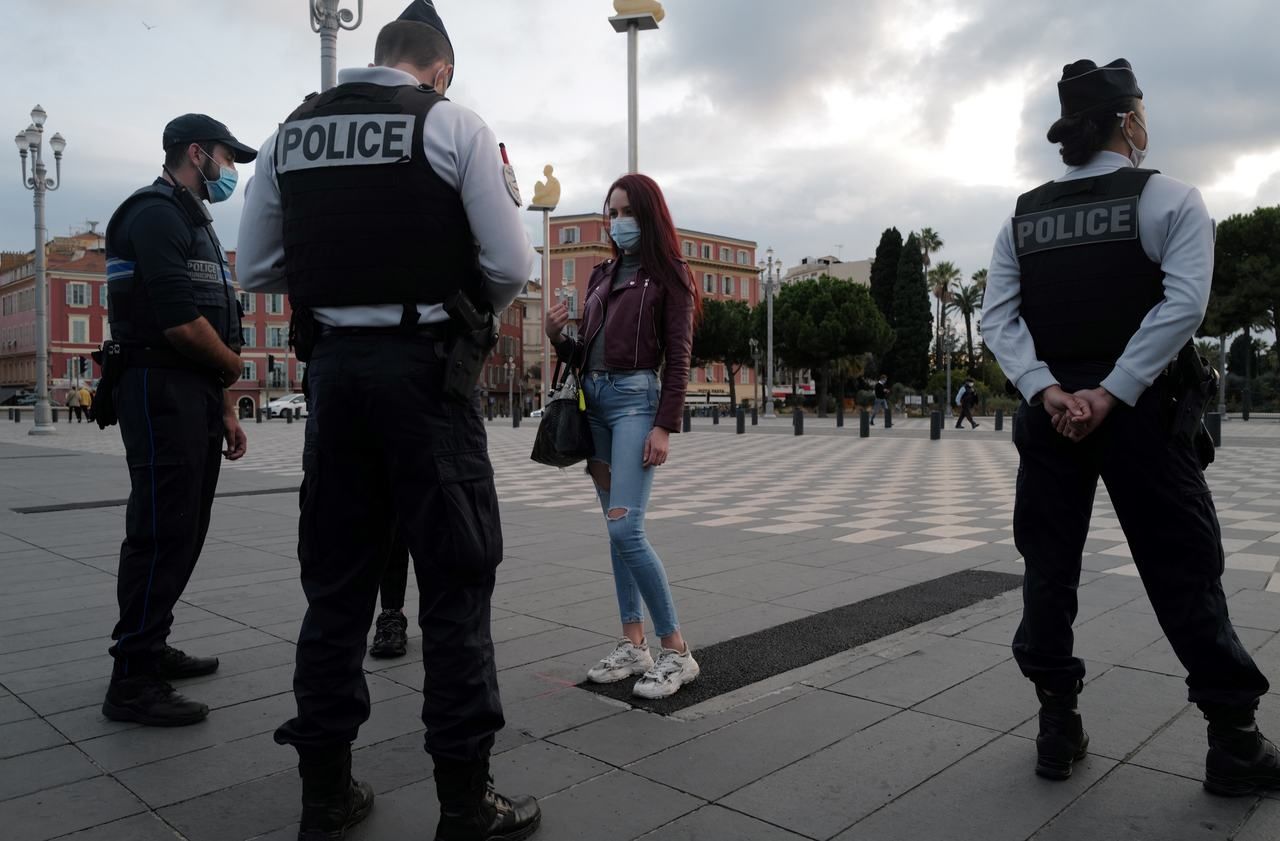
(201, 128)
(424, 11)
(1086, 86)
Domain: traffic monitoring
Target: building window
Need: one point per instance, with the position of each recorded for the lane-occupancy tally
(569, 270)
(728, 285)
(301, 370)
(106, 329)
(250, 336)
(571, 297)
(746, 288)
(706, 251)
(743, 260)
(688, 248)
(102, 296)
(604, 234)
(275, 305)
(277, 375)
(726, 255)
(569, 236)
(744, 378)
(709, 284)
(246, 301)
(249, 371)
(708, 374)
(277, 336)
(77, 294)
(79, 330)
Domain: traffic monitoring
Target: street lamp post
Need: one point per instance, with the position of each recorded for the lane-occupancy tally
(771, 272)
(511, 367)
(645, 17)
(30, 142)
(327, 19)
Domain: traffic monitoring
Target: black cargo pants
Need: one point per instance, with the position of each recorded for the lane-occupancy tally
(384, 449)
(172, 427)
(1165, 509)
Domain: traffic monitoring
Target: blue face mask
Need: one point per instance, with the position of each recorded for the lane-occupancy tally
(625, 231)
(221, 189)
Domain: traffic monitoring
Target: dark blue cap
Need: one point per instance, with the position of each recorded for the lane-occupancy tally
(201, 128)
(1086, 86)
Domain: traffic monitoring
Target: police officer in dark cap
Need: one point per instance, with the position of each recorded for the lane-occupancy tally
(175, 327)
(386, 212)
(1097, 285)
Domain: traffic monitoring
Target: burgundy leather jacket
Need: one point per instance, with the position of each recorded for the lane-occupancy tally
(648, 326)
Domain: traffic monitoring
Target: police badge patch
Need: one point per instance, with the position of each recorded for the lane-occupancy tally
(513, 186)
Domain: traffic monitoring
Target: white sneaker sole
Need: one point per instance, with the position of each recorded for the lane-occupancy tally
(658, 692)
(617, 674)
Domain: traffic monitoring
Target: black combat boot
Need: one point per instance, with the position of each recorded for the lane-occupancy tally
(472, 810)
(332, 802)
(174, 664)
(1241, 760)
(390, 635)
(147, 699)
(1062, 740)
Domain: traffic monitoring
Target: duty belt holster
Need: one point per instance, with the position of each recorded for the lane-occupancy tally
(110, 359)
(1192, 384)
(475, 337)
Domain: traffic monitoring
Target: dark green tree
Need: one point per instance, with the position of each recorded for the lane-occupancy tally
(724, 335)
(884, 271)
(912, 319)
(968, 302)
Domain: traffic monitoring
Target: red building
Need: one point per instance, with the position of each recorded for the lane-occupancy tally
(724, 267)
(77, 284)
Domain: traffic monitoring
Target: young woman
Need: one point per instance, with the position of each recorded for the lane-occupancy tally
(638, 314)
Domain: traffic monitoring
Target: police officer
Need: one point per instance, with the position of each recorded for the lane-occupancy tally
(1096, 283)
(376, 204)
(175, 318)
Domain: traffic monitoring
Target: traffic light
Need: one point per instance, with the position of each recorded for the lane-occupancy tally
(271, 362)
(84, 367)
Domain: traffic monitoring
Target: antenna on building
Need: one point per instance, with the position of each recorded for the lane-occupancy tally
(93, 225)
(839, 255)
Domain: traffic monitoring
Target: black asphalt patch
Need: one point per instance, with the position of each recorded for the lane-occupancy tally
(116, 503)
(749, 659)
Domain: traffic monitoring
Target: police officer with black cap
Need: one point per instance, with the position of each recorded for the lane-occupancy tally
(175, 327)
(386, 212)
(1097, 284)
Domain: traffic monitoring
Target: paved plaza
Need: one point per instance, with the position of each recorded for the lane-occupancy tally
(924, 734)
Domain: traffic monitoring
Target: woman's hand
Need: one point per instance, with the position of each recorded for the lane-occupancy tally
(557, 318)
(656, 447)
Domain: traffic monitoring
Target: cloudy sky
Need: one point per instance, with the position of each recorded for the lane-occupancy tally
(804, 125)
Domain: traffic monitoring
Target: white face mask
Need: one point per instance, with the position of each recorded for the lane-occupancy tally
(1136, 155)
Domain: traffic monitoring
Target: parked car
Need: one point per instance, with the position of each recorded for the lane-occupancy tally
(536, 413)
(292, 402)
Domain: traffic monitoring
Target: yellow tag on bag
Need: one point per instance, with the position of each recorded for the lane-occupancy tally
(582, 400)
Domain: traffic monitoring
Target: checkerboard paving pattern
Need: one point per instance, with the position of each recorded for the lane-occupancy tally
(940, 497)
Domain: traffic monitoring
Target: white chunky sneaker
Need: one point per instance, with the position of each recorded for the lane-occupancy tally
(627, 660)
(672, 671)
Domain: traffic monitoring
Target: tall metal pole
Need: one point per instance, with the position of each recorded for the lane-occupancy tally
(545, 378)
(327, 20)
(1222, 375)
(768, 289)
(44, 422)
(633, 97)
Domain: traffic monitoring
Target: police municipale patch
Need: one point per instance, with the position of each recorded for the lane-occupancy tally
(513, 186)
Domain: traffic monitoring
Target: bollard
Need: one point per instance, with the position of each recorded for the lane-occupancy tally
(864, 424)
(888, 417)
(798, 421)
(1213, 423)
(54, 410)
(755, 417)
(10, 413)
(742, 420)
(688, 419)
(515, 419)
(999, 420)
(840, 415)
(935, 426)
(17, 416)
(288, 416)
(260, 413)
(715, 418)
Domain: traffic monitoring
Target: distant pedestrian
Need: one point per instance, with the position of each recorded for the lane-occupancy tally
(73, 406)
(86, 401)
(966, 399)
(882, 398)
(647, 324)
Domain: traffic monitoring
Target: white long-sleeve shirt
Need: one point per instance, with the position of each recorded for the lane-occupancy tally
(1175, 231)
(463, 151)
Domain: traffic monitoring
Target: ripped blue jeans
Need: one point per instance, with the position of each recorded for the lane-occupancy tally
(620, 408)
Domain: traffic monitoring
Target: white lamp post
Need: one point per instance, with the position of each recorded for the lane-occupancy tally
(645, 16)
(30, 142)
(327, 19)
(770, 273)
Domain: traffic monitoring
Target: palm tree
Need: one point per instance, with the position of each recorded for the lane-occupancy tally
(941, 278)
(980, 280)
(968, 300)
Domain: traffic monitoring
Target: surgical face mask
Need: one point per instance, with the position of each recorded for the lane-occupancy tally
(625, 231)
(443, 90)
(222, 188)
(1136, 155)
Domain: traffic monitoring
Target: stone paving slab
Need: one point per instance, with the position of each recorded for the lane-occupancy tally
(924, 735)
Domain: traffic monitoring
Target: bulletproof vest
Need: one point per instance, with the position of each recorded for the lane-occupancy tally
(366, 218)
(1086, 284)
(128, 310)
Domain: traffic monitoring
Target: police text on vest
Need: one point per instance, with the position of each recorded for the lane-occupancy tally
(1082, 224)
(344, 140)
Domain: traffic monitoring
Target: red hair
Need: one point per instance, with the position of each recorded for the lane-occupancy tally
(659, 245)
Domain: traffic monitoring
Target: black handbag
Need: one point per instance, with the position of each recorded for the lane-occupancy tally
(564, 435)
